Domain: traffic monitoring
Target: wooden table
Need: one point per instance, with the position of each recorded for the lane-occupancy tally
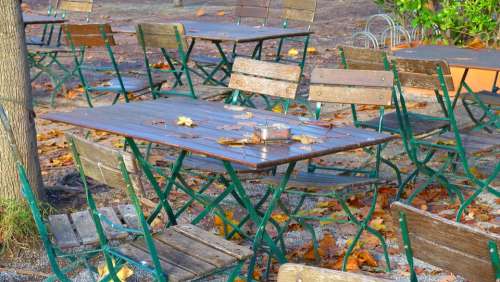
(38, 19)
(156, 121)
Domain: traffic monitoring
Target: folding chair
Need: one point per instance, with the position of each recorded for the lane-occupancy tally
(81, 37)
(179, 253)
(359, 87)
(44, 54)
(459, 248)
(297, 11)
(170, 40)
(461, 148)
(55, 252)
(245, 10)
(371, 59)
(275, 83)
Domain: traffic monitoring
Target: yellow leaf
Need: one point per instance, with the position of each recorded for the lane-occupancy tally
(293, 52)
(280, 217)
(221, 13)
(185, 121)
(305, 139)
(200, 12)
(118, 144)
(222, 227)
(447, 142)
(122, 274)
(378, 224)
(364, 257)
(477, 173)
(476, 43)
(312, 50)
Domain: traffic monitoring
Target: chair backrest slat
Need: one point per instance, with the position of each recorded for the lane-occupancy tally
(252, 9)
(161, 35)
(363, 58)
(102, 163)
(299, 10)
(89, 35)
(453, 246)
(362, 87)
(423, 73)
(75, 5)
(273, 79)
(296, 272)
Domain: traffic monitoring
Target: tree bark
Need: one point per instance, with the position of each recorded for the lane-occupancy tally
(15, 96)
(178, 3)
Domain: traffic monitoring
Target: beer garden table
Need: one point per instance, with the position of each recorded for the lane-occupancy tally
(39, 19)
(156, 121)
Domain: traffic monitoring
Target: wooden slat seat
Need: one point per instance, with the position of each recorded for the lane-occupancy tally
(206, 164)
(297, 272)
(187, 252)
(419, 124)
(486, 97)
(472, 142)
(317, 182)
(459, 248)
(48, 49)
(77, 229)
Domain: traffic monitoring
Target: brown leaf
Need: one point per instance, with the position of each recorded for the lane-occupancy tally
(221, 13)
(200, 12)
(364, 257)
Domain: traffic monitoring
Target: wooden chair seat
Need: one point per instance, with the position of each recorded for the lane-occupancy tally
(187, 252)
(419, 124)
(486, 97)
(317, 182)
(473, 142)
(77, 229)
(207, 92)
(206, 164)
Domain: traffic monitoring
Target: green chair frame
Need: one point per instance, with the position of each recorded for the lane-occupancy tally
(74, 259)
(455, 152)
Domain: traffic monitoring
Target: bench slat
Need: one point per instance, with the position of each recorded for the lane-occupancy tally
(129, 216)
(85, 227)
(112, 233)
(61, 228)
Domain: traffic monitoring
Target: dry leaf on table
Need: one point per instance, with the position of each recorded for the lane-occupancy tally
(185, 121)
(246, 115)
(305, 139)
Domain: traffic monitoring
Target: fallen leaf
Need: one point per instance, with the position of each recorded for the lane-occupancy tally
(25, 7)
(221, 13)
(278, 108)
(378, 224)
(280, 217)
(222, 227)
(312, 50)
(293, 52)
(364, 257)
(246, 115)
(64, 160)
(185, 121)
(124, 273)
(161, 65)
(476, 43)
(305, 139)
(326, 249)
(475, 171)
(200, 12)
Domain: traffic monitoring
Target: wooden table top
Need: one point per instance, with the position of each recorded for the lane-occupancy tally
(230, 32)
(487, 59)
(156, 121)
(38, 19)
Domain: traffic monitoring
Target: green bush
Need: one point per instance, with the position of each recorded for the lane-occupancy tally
(450, 22)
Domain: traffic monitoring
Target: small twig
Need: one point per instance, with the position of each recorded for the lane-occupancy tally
(25, 272)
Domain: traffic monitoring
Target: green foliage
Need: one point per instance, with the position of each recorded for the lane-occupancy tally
(450, 21)
(17, 227)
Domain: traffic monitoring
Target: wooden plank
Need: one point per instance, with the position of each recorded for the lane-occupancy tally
(111, 232)
(128, 214)
(309, 5)
(348, 77)
(87, 29)
(175, 273)
(485, 96)
(214, 241)
(251, 12)
(421, 66)
(254, 3)
(457, 247)
(349, 95)
(194, 248)
(364, 65)
(420, 80)
(161, 35)
(299, 15)
(75, 6)
(85, 227)
(315, 181)
(63, 231)
(363, 54)
(266, 69)
(259, 85)
(296, 272)
(178, 258)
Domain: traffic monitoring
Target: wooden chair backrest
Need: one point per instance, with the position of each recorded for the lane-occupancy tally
(363, 58)
(84, 6)
(290, 272)
(102, 163)
(272, 79)
(258, 9)
(447, 244)
(363, 87)
(161, 35)
(299, 10)
(89, 35)
(422, 73)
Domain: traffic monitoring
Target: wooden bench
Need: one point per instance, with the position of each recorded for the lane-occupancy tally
(371, 59)
(453, 246)
(290, 272)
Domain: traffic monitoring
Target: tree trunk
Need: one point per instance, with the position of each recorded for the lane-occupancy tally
(178, 3)
(15, 96)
